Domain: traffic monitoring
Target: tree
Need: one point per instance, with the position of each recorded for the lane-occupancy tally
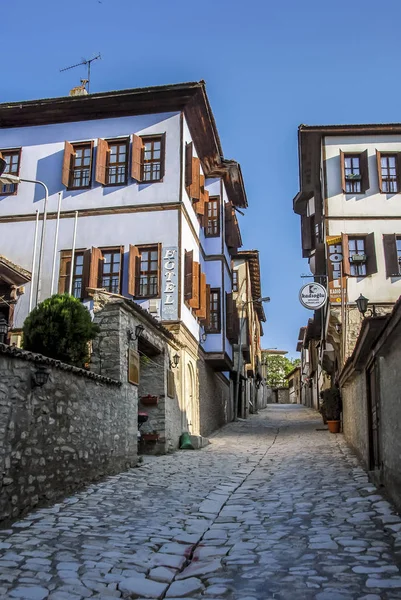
(60, 328)
(278, 366)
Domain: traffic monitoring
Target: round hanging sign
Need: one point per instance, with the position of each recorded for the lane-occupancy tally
(313, 296)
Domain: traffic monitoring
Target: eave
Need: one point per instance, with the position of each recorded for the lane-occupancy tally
(189, 98)
(13, 274)
(252, 257)
(219, 361)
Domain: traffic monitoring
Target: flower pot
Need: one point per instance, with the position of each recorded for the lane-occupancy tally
(149, 400)
(334, 426)
(150, 437)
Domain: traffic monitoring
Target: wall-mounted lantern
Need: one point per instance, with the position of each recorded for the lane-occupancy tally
(362, 304)
(132, 337)
(176, 360)
(3, 330)
(40, 377)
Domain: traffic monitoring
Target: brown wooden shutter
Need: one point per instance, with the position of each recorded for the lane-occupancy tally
(68, 154)
(163, 156)
(228, 220)
(201, 312)
(371, 260)
(188, 165)
(206, 322)
(390, 255)
(364, 167)
(200, 205)
(230, 327)
(320, 259)
(101, 161)
(86, 271)
(196, 273)
(133, 270)
(194, 188)
(342, 167)
(65, 266)
(346, 263)
(96, 257)
(398, 163)
(137, 158)
(379, 170)
(159, 269)
(188, 268)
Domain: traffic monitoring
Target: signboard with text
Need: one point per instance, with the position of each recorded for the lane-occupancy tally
(313, 296)
(336, 283)
(169, 308)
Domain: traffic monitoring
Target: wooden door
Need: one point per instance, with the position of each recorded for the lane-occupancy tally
(373, 418)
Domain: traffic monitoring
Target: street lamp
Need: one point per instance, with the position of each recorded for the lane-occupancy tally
(7, 178)
(239, 366)
(3, 329)
(362, 304)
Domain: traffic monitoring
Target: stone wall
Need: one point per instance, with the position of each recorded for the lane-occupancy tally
(215, 399)
(355, 417)
(76, 428)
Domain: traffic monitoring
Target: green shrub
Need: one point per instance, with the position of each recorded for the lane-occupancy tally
(331, 406)
(60, 328)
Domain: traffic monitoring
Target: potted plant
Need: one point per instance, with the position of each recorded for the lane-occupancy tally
(331, 408)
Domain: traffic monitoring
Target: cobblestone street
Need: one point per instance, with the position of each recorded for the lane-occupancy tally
(273, 508)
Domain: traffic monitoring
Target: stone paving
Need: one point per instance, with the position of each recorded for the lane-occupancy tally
(274, 508)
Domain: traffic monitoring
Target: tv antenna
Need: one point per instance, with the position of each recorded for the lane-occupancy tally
(86, 62)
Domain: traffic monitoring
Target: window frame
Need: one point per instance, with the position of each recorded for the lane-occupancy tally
(9, 151)
(213, 219)
(111, 250)
(363, 171)
(65, 256)
(149, 138)
(151, 248)
(209, 328)
(73, 169)
(356, 238)
(112, 142)
(397, 160)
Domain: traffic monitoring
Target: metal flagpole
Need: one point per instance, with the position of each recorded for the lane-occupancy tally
(60, 195)
(73, 253)
(35, 242)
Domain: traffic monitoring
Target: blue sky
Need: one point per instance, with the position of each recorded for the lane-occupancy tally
(268, 66)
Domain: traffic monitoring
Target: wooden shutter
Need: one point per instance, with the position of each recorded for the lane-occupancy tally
(228, 221)
(371, 260)
(342, 168)
(320, 259)
(133, 270)
(306, 233)
(390, 255)
(364, 167)
(188, 268)
(194, 188)
(379, 170)
(196, 276)
(137, 158)
(162, 156)
(230, 326)
(346, 263)
(95, 258)
(68, 154)
(159, 269)
(65, 262)
(101, 161)
(201, 312)
(200, 205)
(206, 321)
(398, 167)
(188, 165)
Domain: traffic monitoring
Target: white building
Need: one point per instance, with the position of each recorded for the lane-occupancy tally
(350, 207)
(156, 203)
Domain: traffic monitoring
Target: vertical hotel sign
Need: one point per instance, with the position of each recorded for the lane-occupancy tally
(334, 269)
(169, 311)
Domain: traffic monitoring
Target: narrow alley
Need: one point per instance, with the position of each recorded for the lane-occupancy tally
(275, 507)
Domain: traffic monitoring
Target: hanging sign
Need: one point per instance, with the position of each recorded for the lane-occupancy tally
(334, 261)
(169, 311)
(313, 296)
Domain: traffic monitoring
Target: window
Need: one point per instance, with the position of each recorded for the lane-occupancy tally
(117, 163)
(353, 178)
(78, 273)
(148, 283)
(354, 172)
(392, 254)
(389, 171)
(357, 256)
(110, 271)
(81, 163)
(12, 158)
(214, 325)
(212, 226)
(235, 281)
(152, 158)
